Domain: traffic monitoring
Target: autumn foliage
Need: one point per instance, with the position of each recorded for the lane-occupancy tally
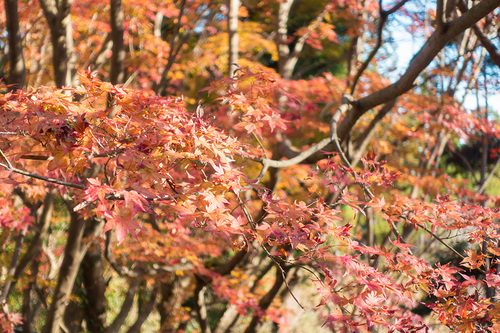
(143, 186)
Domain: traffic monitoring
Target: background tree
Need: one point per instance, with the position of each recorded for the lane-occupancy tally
(309, 181)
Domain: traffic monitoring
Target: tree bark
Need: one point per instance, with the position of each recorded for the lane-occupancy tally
(117, 74)
(73, 255)
(199, 306)
(95, 286)
(232, 24)
(67, 274)
(282, 37)
(61, 32)
(17, 69)
(265, 302)
(27, 292)
(144, 312)
(175, 47)
(420, 61)
(488, 45)
(125, 308)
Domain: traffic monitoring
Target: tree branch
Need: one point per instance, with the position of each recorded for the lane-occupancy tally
(489, 177)
(140, 271)
(73, 255)
(266, 300)
(419, 62)
(126, 306)
(144, 312)
(47, 179)
(12, 268)
(369, 132)
(299, 45)
(440, 14)
(160, 89)
(200, 307)
(383, 15)
(36, 243)
(488, 45)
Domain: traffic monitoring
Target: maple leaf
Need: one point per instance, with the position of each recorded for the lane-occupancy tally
(473, 260)
(122, 222)
(134, 200)
(402, 246)
(96, 190)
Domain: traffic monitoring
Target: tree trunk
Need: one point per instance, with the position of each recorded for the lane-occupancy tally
(282, 37)
(17, 69)
(232, 24)
(127, 304)
(95, 286)
(73, 255)
(117, 74)
(61, 32)
(27, 313)
(145, 308)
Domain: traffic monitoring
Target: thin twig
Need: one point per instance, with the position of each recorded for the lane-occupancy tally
(346, 100)
(260, 144)
(297, 159)
(249, 217)
(383, 15)
(448, 247)
(140, 271)
(401, 239)
(10, 133)
(47, 179)
(489, 177)
(6, 159)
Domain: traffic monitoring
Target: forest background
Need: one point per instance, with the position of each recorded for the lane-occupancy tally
(254, 166)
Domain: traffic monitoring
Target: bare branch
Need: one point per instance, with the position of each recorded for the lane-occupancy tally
(9, 165)
(489, 177)
(174, 44)
(200, 307)
(487, 44)
(232, 27)
(47, 179)
(439, 14)
(296, 160)
(369, 132)
(383, 15)
(267, 163)
(420, 61)
(395, 7)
